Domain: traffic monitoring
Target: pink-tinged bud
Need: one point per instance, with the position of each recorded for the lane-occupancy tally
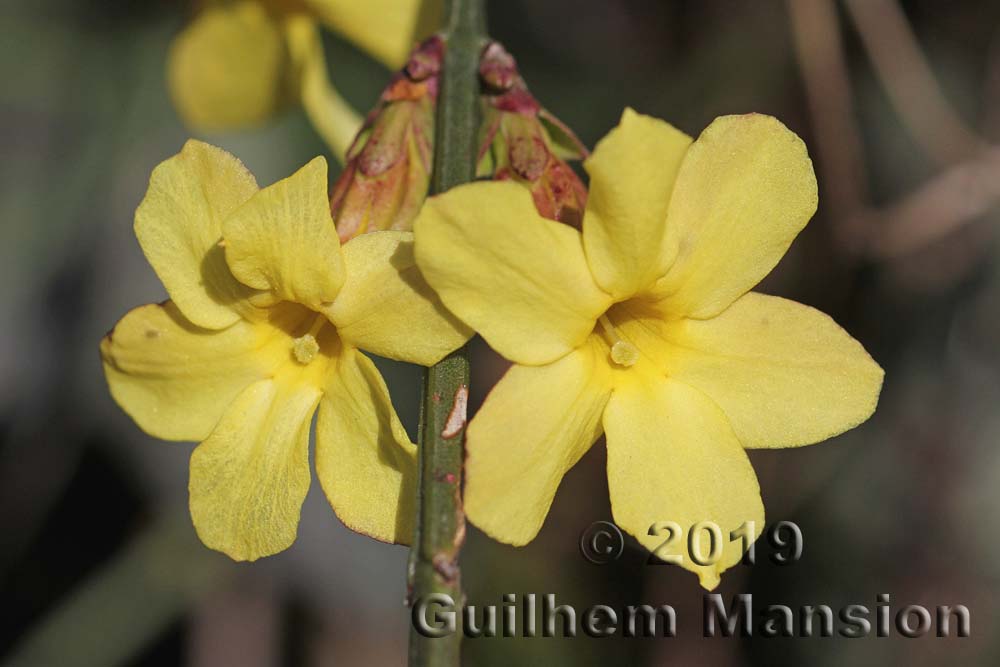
(523, 142)
(425, 61)
(388, 168)
(497, 68)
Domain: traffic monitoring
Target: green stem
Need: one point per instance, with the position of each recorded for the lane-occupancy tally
(440, 524)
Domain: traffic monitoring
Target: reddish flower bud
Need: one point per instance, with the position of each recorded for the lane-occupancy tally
(522, 141)
(388, 168)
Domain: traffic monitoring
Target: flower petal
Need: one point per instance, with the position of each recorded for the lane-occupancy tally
(175, 379)
(632, 172)
(250, 477)
(387, 29)
(386, 307)
(227, 70)
(283, 239)
(331, 116)
(785, 374)
(179, 224)
(672, 456)
(518, 279)
(744, 191)
(366, 464)
(535, 425)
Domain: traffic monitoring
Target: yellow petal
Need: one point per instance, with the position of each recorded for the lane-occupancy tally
(535, 425)
(283, 239)
(175, 379)
(249, 478)
(387, 29)
(228, 68)
(387, 308)
(632, 172)
(365, 462)
(331, 116)
(744, 191)
(179, 225)
(672, 457)
(785, 374)
(518, 279)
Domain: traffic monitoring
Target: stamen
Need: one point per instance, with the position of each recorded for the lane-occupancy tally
(305, 347)
(623, 352)
(317, 325)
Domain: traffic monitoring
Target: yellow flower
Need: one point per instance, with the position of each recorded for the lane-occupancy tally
(240, 63)
(260, 329)
(643, 327)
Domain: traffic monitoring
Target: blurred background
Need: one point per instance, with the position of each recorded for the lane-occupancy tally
(899, 103)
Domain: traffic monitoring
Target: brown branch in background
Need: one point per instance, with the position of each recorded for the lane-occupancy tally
(817, 40)
(991, 91)
(910, 83)
(957, 196)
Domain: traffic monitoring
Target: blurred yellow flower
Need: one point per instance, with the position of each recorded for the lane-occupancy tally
(238, 63)
(266, 318)
(643, 327)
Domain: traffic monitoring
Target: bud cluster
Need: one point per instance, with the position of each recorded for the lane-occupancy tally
(521, 141)
(388, 169)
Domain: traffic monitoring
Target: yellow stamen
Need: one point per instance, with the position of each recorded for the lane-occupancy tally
(305, 347)
(623, 352)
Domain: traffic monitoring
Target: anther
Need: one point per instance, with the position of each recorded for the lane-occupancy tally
(305, 347)
(623, 352)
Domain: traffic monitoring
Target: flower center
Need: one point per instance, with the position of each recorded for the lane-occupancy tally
(623, 352)
(305, 348)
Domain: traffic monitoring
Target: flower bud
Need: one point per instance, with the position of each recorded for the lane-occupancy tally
(523, 142)
(388, 168)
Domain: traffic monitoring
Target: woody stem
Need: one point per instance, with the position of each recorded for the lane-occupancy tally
(440, 523)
